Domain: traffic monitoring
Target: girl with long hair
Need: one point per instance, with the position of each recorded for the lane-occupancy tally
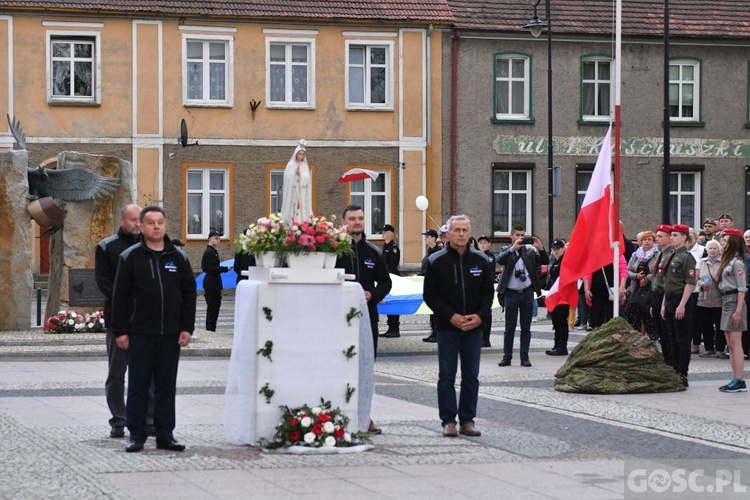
(733, 286)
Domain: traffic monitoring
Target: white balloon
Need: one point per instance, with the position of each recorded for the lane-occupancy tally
(422, 202)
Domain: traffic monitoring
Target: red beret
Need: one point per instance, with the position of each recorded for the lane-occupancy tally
(664, 228)
(680, 228)
(732, 232)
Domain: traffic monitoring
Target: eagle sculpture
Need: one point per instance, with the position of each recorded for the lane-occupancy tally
(73, 184)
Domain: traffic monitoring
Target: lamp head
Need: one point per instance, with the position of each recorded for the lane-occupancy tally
(535, 26)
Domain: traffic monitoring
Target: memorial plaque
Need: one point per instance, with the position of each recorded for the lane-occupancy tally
(82, 289)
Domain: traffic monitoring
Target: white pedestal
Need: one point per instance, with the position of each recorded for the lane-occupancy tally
(307, 324)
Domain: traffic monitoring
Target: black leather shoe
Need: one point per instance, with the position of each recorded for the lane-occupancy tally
(525, 362)
(169, 444)
(504, 362)
(134, 446)
(117, 432)
(431, 339)
(392, 334)
(557, 352)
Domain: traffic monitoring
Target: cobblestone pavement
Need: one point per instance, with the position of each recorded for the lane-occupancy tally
(536, 443)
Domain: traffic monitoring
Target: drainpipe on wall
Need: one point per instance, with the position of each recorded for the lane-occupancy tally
(454, 118)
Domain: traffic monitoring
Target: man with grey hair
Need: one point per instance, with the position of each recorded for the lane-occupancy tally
(458, 287)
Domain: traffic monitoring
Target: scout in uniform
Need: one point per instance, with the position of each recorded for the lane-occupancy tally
(662, 232)
(678, 278)
(733, 287)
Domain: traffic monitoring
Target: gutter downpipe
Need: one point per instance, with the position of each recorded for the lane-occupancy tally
(454, 118)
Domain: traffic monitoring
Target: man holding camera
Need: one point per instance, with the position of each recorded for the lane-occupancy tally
(518, 287)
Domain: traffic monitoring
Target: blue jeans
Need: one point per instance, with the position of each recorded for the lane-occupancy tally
(516, 301)
(452, 345)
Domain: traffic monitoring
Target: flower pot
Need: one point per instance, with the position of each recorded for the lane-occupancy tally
(312, 259)
(330, 261)
(266, 259)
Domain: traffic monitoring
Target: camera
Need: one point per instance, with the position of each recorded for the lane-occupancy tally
(528, 240)
(520, 274)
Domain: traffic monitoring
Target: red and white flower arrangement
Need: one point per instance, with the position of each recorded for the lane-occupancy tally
(72, 322)
(266, 235)
(314, 427)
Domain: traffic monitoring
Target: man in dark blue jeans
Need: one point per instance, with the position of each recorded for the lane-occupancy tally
(518, 285)
(458, 288)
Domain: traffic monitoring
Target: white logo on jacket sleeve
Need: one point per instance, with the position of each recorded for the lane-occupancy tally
(171, 267)
(476, 271)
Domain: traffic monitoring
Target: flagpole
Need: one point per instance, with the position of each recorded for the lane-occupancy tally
(616, 190)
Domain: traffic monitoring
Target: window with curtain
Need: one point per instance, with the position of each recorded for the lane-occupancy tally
(684, 198)
(369, 74)
(207, 206)
(73, 69)
(512, 83)
(583, 179)
(374, 197)
(511, 200)
(207, 71)
(684, 91)
(596, 89)
(290, 74)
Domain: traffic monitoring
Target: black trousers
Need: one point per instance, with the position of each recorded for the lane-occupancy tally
(114, 387)
(678, 335)
(560, 325)
(373, 311)
(152, 357)
(393, 323)
(213, 304)
(709, 319)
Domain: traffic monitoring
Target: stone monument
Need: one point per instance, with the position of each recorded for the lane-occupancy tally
(16, 240)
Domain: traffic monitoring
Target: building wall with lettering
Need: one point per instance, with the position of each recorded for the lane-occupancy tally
(714, 152)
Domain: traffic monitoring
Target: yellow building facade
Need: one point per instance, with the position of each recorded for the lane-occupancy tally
(364, 94)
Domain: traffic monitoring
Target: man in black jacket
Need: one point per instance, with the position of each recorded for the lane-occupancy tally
(211, 265)
(560, 314)
(392, 259)
(484, 246)
(430, 239)
(106, 258)
(367, 264)
(153, 315)
(518, 285)
(458, 288)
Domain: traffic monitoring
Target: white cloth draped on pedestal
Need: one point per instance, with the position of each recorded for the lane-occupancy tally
(309, 330)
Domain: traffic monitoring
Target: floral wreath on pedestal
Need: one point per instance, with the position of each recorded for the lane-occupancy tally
(72, 322)
(314, 427)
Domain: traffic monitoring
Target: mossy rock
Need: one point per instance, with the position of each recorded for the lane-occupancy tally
(615, 359)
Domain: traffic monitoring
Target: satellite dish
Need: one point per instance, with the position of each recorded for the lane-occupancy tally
(184, 135)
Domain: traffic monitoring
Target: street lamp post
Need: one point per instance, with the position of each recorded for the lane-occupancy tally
(536, 26)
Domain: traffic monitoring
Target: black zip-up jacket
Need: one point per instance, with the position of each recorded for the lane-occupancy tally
(211, 265)
(553, 271)
(458, 284)
(531, 260)
(392, 257)
(153, 295)
(106, 258)
(368, 265)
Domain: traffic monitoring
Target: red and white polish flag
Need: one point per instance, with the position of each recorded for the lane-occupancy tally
(589, 247)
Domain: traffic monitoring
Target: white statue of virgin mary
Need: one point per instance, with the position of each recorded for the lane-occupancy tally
(296, 200)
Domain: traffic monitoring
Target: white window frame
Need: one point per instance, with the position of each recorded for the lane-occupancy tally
(271, 193)
(206, 192)
(679, 193)
(581, 193)
(696, 65)
(526, 115)
(510, 192)
(96, 73)
(600, 117)
(228, 100)
(373, 233)
(288, 103)
(389, 65)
